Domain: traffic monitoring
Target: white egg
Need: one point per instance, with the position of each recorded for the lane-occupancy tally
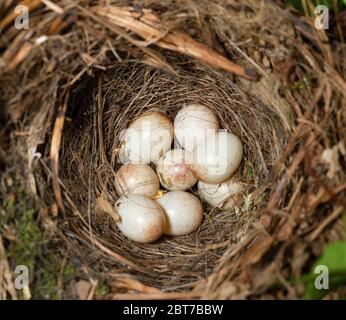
(222, 195)
(174, 170)
(192, 124)
(138, 179)
(217, 157)
(141, 219)
(147, 139)
(183, 212)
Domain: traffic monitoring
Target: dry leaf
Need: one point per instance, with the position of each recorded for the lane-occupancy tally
(83, 288)
(148, 26)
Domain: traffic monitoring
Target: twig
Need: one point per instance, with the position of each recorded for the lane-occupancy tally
(325, 222)
(150, 28)
(54, 152)
(54, 7)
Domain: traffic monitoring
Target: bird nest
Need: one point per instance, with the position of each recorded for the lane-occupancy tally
(85, 73)
(104, 108)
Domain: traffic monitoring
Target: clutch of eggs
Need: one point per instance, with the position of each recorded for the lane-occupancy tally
(203, 153)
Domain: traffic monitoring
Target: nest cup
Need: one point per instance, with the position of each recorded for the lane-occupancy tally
(105, 105)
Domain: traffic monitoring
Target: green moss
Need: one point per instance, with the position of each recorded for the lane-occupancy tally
(28, 245)
(48, 286)
(250, 173)
(101, 290)
(208, 217)
(19, 217)
(69, 271)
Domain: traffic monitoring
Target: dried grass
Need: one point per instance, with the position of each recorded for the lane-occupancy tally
(73, 93)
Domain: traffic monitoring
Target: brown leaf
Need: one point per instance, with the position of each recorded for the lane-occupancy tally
(83, 288)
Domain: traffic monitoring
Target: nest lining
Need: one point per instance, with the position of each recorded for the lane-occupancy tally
(100, 110)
